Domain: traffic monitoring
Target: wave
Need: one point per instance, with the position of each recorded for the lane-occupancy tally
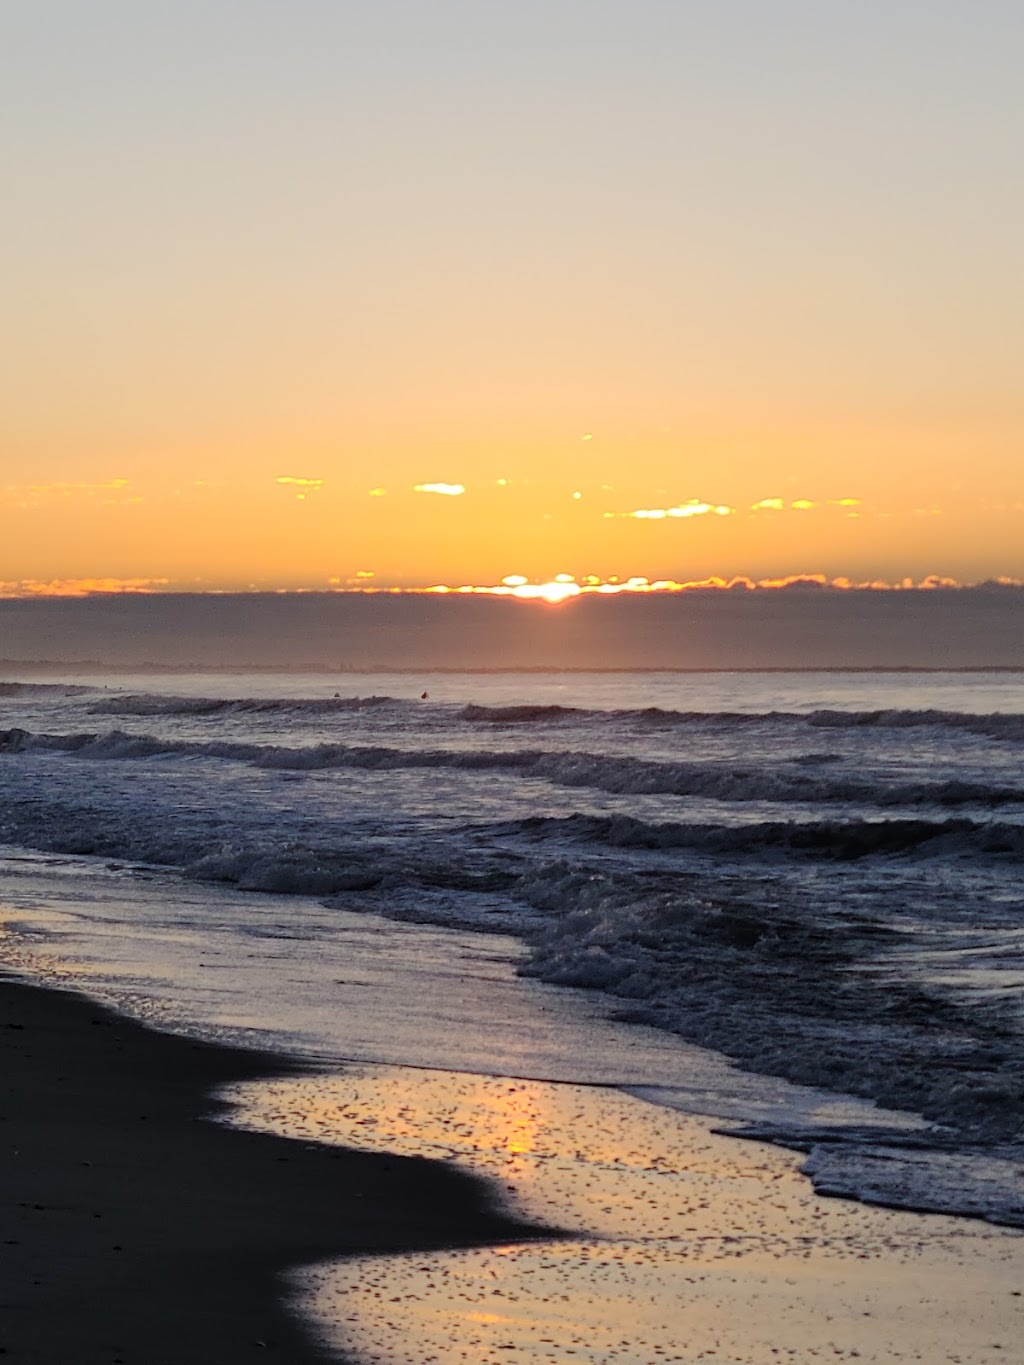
(996, 725)
(836, 839)
(621, 775)
(790, 974)
(785, 982)
(28, 689)
(1001, 725)
(926, 1175)
(150, 704)
(525, 715)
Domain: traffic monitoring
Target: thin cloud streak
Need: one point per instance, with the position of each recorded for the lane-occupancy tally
(79, 587)
(26, 496)
(697, 507)
(303, 487)
(694, 508)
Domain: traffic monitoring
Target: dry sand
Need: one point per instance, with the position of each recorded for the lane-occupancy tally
(135, 1231)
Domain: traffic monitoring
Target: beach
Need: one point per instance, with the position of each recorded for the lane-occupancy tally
(341, 1000)
(512, 684)
(137, 1230)
(134, 1230)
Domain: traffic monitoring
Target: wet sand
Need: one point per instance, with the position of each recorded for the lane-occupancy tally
(134, 1230)
(689, 1246)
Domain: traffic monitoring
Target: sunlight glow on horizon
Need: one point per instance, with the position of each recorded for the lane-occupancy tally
(560, 589)
(640, 291)
(243, 535)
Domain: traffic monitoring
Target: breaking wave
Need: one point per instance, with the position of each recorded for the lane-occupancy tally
(759, 969)
(617, 774)
(997, 725)
(767, 980)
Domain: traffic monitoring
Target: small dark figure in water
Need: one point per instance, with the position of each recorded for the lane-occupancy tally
(423, 696)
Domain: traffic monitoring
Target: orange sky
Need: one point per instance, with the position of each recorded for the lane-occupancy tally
(267, 275)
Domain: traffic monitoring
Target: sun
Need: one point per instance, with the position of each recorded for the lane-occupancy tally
(560, 589)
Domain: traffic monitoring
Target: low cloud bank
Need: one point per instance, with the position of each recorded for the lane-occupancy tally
(801, 627)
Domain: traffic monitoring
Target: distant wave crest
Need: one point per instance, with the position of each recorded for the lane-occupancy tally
(150, 704)
(997, 725)
(28, 689)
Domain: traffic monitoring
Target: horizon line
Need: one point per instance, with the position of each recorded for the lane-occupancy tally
(398, 670)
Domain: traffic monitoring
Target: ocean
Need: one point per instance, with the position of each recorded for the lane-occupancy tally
(790, 901)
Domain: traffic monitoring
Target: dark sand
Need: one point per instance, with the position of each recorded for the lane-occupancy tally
(134, 1230)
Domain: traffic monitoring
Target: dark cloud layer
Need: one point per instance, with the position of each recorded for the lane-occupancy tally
(796, 628)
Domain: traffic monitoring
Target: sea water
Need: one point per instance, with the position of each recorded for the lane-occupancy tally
(791, 901)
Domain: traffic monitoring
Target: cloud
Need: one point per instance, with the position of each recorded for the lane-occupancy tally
(565, 587)
(79, 587)
(111, 492)
(803, 504)
(303, 487)
(360, 579)
(562, 587)
(693, 508)
(447, 490)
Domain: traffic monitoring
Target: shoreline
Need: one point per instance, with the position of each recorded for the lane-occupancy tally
(138, 1233)
(690, 1246)
(135, 1231)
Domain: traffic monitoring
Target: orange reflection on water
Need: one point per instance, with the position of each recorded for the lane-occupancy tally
(506, 1126)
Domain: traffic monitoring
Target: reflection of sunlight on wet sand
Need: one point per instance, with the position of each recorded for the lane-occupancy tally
(686, 1245)
(624, 1304)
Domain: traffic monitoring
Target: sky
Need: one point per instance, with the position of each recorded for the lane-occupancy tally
(332, 294)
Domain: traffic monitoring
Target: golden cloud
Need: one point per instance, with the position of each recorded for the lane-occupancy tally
(113, 492)
(79, 587)
(303, 487)
(694, 508)
(566, 587)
